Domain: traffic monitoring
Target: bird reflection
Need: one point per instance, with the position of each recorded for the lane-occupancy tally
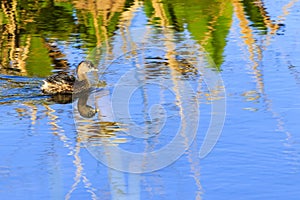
(61, 98)
(84, 109)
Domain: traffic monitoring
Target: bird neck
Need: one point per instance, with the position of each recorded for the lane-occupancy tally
(82, 77)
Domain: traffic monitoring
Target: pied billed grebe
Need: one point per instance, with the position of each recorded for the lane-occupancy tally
(64, 83)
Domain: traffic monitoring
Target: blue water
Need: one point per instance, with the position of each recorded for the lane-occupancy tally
(49, 151)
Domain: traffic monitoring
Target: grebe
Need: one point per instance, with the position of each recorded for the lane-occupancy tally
(64, 83)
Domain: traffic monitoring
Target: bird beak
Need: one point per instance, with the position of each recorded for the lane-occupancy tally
(93, 70)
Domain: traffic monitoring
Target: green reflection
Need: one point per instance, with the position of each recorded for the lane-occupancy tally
(38, 62)
(255, 15)
(24, 21)
(27, 24)
(45, 17)
(208, 22)
(96, 27)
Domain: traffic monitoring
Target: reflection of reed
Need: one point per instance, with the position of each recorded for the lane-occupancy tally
(103, 10)
(131, 46)
(15, 53)
(124, 22)
(79, 175)
(56, 55)
(249, 40)
(177, 87)
(295, 72)
(253, 49)
(267, 21)
(33, 113)
(281, 18)
(102, 132)
(58, 131)
(195, 169)
(175, 67)
(53, 122)
(91, 131)
(78, 172)
(212, 23)
(110, 6)
(285, 10)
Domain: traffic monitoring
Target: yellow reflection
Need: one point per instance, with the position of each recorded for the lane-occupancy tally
(256, 56)
(267, 20)
(91, 131)
(285, 10)
(53, 121)
(74, 151)
(12, 49)
(212, 23)
(248, 38)
(251, 95)
(33, 113)
(175, 69)
(79, 175)
(102, 14)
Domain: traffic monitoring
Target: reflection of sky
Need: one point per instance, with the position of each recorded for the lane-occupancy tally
(256, 157)
(138, 26)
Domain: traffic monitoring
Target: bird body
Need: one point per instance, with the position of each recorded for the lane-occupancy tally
(64, 83)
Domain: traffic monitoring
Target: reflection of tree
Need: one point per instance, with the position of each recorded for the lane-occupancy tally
(207, 21)
(10, 37)
(254, 11)
(98, 19)
(28, 27)
(21, 37)
(45, 17)
(55, 20)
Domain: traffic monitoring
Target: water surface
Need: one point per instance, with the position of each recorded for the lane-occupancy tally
(50, 149)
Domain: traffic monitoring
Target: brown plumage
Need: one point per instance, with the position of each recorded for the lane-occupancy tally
(64, 83)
